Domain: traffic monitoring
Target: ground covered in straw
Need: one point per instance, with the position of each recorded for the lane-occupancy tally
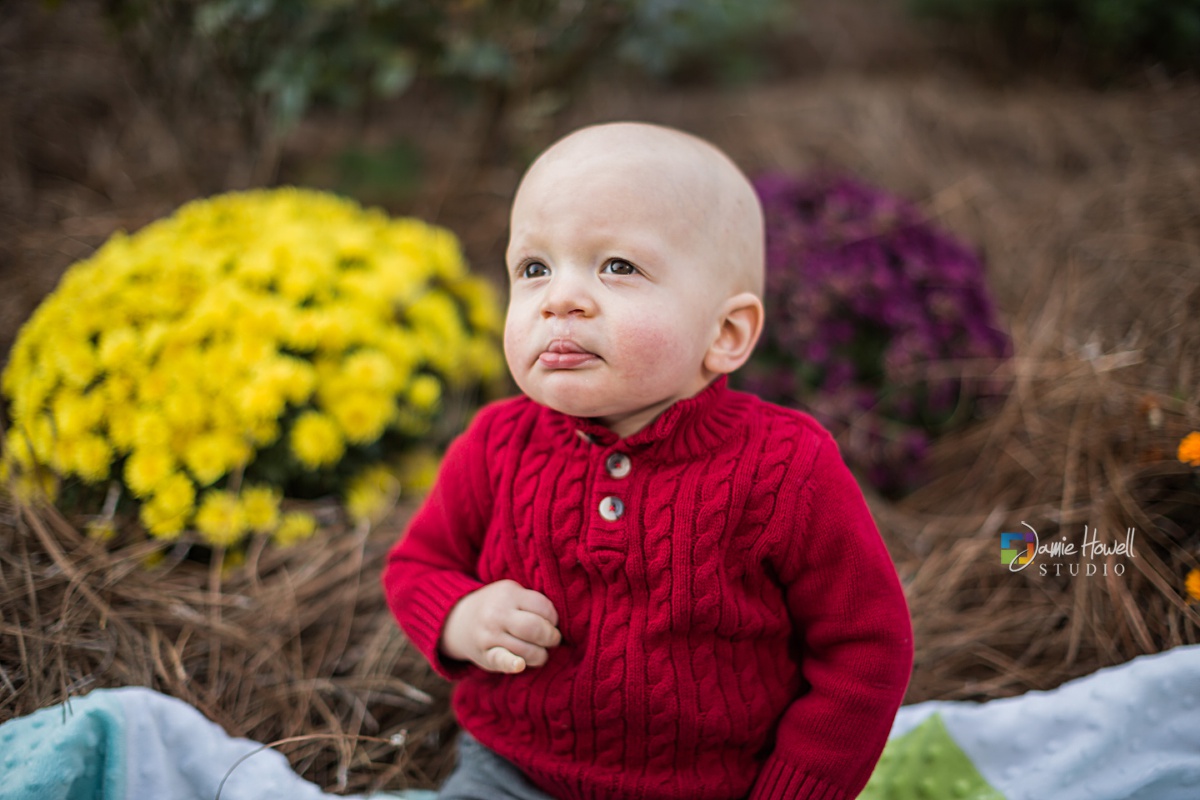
(1085, 203)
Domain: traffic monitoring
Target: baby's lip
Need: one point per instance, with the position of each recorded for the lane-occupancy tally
(566, 354)
(565, 346)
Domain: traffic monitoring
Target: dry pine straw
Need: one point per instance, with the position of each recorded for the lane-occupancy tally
(292, 643)
(1082, 439)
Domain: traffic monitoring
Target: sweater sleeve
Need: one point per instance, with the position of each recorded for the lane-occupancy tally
(434, 564)
(855, 636)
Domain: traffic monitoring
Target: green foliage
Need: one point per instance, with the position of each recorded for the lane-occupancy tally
(289, 54)
(1108, 34)
(284, 52)
(380, 175)
(668, 34)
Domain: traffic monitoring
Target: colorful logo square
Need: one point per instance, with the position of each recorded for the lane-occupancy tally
(1018, 548)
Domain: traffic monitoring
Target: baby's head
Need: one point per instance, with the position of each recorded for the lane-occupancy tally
(635, 261)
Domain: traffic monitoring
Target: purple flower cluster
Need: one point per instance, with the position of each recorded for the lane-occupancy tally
(868, 309)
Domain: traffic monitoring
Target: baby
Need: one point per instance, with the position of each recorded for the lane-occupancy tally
(647, 584)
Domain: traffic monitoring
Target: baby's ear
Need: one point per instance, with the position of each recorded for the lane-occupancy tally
(740, 321)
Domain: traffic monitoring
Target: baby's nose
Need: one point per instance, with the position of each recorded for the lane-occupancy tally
(567, 295)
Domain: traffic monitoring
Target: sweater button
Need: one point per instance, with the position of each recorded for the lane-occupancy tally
(611, 508)
(618, 465)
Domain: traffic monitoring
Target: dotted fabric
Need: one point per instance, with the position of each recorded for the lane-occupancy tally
(1128, 732)
(927, 764)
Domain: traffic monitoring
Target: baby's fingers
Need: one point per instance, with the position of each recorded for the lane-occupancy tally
(499, 659)
(537, 603)
(534, 629)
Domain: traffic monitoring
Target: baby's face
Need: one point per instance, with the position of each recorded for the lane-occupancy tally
(616, 288)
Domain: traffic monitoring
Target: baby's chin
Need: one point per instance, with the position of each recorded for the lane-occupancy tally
(568, 394)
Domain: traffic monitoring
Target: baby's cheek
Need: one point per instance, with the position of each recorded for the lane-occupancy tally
(660, 350)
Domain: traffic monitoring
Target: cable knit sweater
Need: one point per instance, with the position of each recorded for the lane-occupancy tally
(732, 624)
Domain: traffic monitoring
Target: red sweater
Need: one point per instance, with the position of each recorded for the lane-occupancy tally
(732, 625)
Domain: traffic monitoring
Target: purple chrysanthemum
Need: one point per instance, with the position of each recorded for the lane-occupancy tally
(862, 296)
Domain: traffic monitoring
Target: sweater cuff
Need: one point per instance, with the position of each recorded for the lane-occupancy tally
(781, 781)
(427, 616)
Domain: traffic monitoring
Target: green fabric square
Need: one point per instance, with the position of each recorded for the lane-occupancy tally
(926, 764)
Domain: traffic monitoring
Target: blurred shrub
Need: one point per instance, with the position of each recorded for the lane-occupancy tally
(868, 309)
(667, 36)
(249, 347)
(289, 53)
(1106, 34)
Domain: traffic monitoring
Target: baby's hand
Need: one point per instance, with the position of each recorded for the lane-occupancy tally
(502, 627)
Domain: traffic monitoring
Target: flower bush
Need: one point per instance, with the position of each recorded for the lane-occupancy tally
(862, 297)
(253, 345)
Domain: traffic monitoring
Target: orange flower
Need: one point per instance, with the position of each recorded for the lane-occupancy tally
(1192, 584)
(1189, 449)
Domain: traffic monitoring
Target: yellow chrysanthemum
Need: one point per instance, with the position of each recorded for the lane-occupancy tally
(1189, 449)
(119, 389)
(150, 428)
(339, 328)
(483, 310)
(184, 410)
(211, 455)
(1192, 584)
(77, 362)
(424, 392)
(296, 526)
(42, 437)
(372, 493)
(118, 346)
(18, 447)
(148, 467)
(92, 458)
(316, 440)
(260, 508)
(261, 399)
(244, 328)
(294, 379)
(221, 519)
(177, 493)
(370, 369)
(75, 413)
(163, 519)
(263, 432)
(362, 416)
(303, 334)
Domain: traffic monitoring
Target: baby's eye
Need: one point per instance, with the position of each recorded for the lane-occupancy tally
(619, 267)
(535, 269)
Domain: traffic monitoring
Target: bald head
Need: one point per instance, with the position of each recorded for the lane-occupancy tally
(699, 188)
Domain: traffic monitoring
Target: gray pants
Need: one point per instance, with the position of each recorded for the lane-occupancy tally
(483, 775)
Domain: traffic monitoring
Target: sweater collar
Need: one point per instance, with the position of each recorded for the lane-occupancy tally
(689, 427)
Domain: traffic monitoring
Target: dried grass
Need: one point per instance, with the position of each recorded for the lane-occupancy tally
(292, 643)
(1081, 440)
